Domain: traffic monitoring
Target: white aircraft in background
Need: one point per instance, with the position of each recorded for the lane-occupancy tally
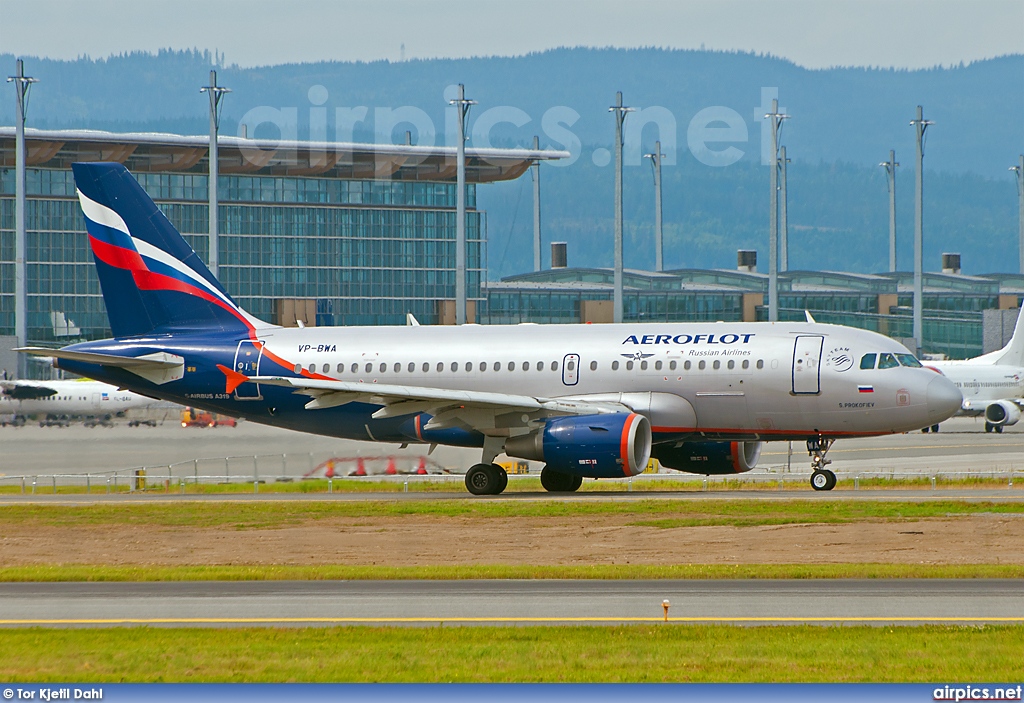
(992, 384)
(66, 399)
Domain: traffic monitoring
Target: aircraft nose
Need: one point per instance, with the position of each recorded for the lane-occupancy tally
(944, 399)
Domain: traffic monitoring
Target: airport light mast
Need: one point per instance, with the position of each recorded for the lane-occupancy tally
(890, 173)
(659, 242)
(536, 207)
(216, 94)
(1019, 169)
(784, 211)
(620, 111)
(22, 85)
(920, 126)
(773, 213)
(463, 106)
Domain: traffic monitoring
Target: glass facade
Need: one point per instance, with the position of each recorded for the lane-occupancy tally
(367, 251)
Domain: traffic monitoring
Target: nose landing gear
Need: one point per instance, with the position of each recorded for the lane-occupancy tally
(822, 479)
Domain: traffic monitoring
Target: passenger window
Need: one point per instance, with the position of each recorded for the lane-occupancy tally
(657, 366)
(702, 365)
(671, 366)
(887, 361)
(615, 366)
(643, 365)
(298, 368)
(369, 368)
(469, 366)
(732, 364)
(554, 366)
(760, 363)
(571, 366)
(398, 367)
(687, 365)
(497, 366)
(312, 368)
(440, 366)
(483, 365)
(511, 366)
(383, 367)
(593, 366)
(526, 366)
(717, 365)
(327, 368)
(412, 366)
(540, 365)
(746, 363)
(355, 367)
(867, 361)
(629, 366)
(426, 367)
(455, 366)
(909, 360)
(341, 368)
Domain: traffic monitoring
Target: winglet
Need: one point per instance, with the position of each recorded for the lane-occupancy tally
(233, 379)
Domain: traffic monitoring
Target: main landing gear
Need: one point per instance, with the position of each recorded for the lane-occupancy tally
(989, 427)
(822, 479)
(486, 479)
(557, 482)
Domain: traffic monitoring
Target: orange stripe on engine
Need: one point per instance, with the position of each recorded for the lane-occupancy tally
(624, 444)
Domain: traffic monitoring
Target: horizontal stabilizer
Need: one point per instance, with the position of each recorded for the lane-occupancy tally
(159, 367)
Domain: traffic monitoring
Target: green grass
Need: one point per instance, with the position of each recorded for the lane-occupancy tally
(503, 654)
(657, 513)
(88, 572)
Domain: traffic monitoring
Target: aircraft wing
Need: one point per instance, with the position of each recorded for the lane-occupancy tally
(159, 367)
(475, 410)
(17, 390)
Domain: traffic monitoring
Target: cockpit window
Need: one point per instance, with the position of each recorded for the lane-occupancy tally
(909, 360)
(868, 361)
(887, 361)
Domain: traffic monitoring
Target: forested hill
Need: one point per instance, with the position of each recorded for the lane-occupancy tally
(843, 122)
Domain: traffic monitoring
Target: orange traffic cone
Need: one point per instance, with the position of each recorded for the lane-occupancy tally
(391, 470)
(360, 467)
(422, 468)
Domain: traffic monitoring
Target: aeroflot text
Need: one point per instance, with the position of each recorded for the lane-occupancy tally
(975, 693)
(688, 339)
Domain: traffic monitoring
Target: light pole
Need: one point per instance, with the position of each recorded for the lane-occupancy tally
(784, 211)
(890, 173)
(22, 85)
(920, 126)
(1020, 205)
(659, 242)
(463, 105)
(620, 111)
(536, 207)
(773, 213)
(216, 93)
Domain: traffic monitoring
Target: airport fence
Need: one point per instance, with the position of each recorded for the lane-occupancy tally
(309, 472)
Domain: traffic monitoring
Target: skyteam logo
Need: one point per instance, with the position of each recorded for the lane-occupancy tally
(839, 359)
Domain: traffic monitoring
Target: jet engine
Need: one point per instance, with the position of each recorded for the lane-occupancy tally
(1002, 412)
(592, 446)
(709, 457)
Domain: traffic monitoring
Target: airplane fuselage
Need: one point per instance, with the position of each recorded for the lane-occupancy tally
(715, 380)
(73, 398)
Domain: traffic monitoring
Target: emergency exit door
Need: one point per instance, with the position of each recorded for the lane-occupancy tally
(807, 364)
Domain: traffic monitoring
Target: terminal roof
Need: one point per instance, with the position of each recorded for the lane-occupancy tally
(143, 151)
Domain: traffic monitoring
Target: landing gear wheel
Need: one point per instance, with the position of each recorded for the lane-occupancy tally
(988, 426)
(925, 429)
(999, 429)
(484, 479)
(935, 429)
(558, 482)
(823, 480)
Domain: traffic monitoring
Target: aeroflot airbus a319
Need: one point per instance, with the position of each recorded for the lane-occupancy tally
(587, 400)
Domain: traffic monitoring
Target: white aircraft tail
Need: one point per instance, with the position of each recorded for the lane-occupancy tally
(1013, 353)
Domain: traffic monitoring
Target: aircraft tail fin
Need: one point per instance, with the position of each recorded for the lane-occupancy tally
(1013, 353)
(152, 280)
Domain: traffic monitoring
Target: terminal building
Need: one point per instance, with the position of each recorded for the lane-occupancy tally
(325, 233)
(362, 234)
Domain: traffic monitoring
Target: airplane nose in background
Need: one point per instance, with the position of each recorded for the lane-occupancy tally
(944, 399)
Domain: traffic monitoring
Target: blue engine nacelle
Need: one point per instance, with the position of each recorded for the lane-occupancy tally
(592, 446)
(709, 457)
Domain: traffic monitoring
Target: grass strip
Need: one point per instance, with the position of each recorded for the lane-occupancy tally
(654, 513)
(87, 572)
(639, 653)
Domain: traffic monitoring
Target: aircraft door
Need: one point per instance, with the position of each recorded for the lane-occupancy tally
(807, 364)
(247, 362)
(571, 369)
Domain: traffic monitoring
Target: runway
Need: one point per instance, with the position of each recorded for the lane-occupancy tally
(533, 602)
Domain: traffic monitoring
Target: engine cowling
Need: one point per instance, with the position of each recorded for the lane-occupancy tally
(1002, 412)
(592, 446)
(709, 457)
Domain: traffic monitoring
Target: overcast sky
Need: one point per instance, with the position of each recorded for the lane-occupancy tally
(812, 33)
